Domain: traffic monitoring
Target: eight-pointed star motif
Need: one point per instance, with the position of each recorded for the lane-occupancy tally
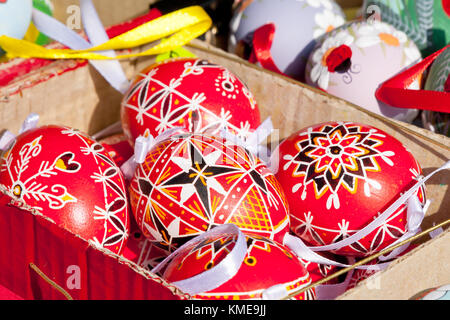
(199, 175)
(336, 156)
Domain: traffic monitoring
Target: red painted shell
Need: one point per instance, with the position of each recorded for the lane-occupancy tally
(192, 93)
(338, 177)
(141, 250)
(267, 263)
(190, 183)
(69, 178)
(118, 148)
(319, 271)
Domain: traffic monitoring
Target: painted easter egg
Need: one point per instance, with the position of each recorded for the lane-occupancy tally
(426, 22)
(195, 94)
(68, 177)
(298, 23)
(190, 183)
(338, 177)
(438, 79)
(141, 250)
(15, 18)
(352, 61)
(319, 271)
(266, 264)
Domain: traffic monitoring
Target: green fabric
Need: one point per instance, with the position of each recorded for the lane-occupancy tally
(45, 7)
(424, 21)
(436, 78)
(439, 72)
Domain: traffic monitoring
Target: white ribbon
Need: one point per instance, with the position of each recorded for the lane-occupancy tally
(114, 128)
(6, 140)
(221, 272)
(29, 123)
(331, 291)
(8, 137)
(304, 252)
(142, 146)
(433, 234)
(415, 215)
(111, 70)
(253, 142)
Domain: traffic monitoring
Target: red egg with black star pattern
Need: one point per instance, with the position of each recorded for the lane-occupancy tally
(70, 178)
(195, 94)
(266, 264)
(190, 183)
(338, 177)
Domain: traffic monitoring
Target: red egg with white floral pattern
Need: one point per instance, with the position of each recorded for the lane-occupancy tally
(266, 264)
(195, 94)
(190, 183)
(70, 178)
(338, 177)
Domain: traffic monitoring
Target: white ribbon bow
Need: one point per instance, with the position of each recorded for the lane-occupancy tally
(415, 215)
(221, 272)
(111, 70)
(142, 146)
(8, 137)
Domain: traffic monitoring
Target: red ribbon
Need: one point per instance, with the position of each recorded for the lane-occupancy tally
(262, 43)
(393, 92)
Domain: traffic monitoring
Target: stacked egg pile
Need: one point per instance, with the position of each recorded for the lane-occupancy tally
(185, 166)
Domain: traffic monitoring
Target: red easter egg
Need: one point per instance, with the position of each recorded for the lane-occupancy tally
(319, 271)
(69, 178)
(141, 250)
(190, 183)
(195, 94)
(338, 177)
(118, 148)
(266, 264)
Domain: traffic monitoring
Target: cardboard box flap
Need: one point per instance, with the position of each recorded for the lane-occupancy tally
(44, 261)
(423, 268)
(81, 98)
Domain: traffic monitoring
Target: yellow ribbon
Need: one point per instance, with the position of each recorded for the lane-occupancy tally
(182, 26)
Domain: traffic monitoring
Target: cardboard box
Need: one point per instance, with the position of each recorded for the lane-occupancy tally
(72, 93)
(111, 12)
